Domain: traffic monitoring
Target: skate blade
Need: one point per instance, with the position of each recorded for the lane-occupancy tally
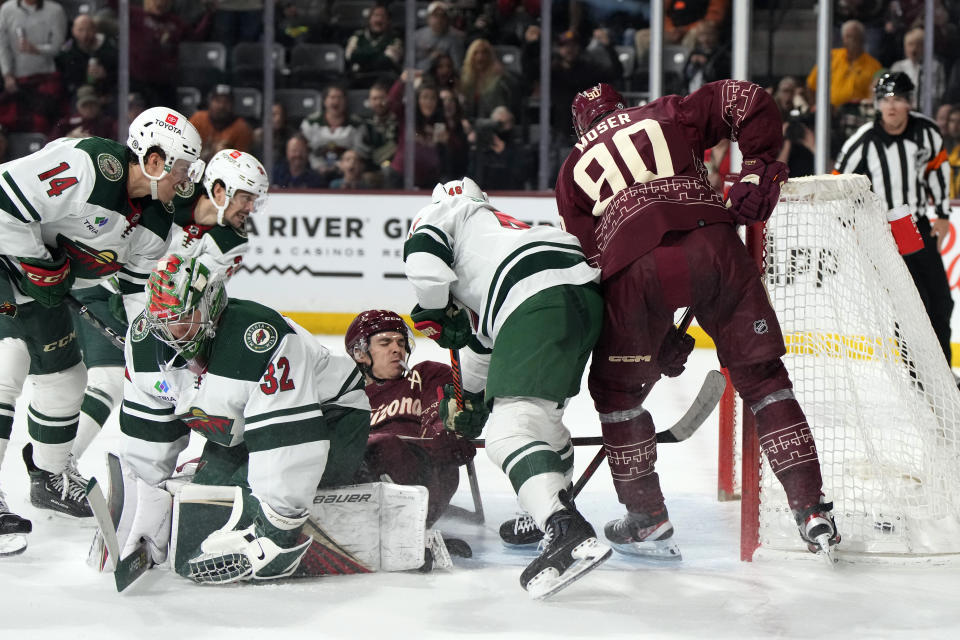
(827, 552)
(12, 544)
(659, 550)
(589, 554)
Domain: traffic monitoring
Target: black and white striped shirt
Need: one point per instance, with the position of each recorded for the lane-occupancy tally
(910, 168)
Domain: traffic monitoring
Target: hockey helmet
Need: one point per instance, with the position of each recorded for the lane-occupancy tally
(465, 187)
(894, 84)
(368, 324)
(592, 104)
(185, 297)
(238, 171)
(172, 133)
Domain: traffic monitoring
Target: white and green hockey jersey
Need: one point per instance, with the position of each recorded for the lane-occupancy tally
(488, 261)
(268, 384)
(223, 243)
(72, 194)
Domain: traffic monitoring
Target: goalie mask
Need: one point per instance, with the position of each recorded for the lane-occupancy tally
(592, 104)
(237, 171)
(185, 298)
(172, 133)
(368, 324)
(463, 188)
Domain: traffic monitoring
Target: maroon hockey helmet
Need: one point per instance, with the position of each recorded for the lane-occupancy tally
(592, 104)
(370, 323)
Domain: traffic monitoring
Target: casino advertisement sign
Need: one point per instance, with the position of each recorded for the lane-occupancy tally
(323, 253)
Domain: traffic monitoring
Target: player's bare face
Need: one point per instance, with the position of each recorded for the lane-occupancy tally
(388, 353)
(242, 204)
(894, 111)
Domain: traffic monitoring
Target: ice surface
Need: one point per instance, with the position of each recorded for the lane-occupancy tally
(49, 592)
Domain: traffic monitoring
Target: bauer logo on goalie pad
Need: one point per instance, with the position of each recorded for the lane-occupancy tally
(331, 498)
(760, 327)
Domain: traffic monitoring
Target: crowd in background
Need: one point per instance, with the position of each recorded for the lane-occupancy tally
(476, 78)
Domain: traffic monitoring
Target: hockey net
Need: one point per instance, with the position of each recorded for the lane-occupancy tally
(870, 375)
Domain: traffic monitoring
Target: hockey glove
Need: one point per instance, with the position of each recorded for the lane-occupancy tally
(753, 199)
(674, 350)
(450, 326)
(468, 421)
(265, 550)
(46, 281)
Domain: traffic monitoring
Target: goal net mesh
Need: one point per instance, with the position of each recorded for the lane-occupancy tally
(868, 371)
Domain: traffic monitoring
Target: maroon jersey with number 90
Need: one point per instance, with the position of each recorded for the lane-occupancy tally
(638, 173)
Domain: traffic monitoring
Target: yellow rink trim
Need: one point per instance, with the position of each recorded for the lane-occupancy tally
(857, 347)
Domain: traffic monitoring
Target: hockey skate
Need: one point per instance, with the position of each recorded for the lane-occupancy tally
(818, 529)
(646, 535)
(520, 532)
(59, 492)
(13, 530)
(569, 549)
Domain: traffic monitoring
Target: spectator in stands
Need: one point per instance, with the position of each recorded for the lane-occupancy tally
(904, 15)
(31, 34)
(443, 74)
(913, 67)
(294, 172)
(331, 131)
(381, 126)
(374, 50)
(352, 168)
(852, 69)
(799, 145)
(483, 82)
(281, 133)
(219, 127)
(88, 58)
(237, 21)
(603, 54)
(87, 119)
(438, 37)
(457, 130)
(500, 161)
(953, 134)
(302, 21)
(940, 117)
(156, 33)
(789, 98)
(682, 21)
(709, 60)
(870, 13)
(429, 139)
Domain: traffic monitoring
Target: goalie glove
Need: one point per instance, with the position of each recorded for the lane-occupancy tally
(449, 326)
(265, 550)
(46, 281)
(469, 421)
(753, 199)
(674, 351)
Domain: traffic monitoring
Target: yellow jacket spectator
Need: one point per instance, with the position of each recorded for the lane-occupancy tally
(852, 69)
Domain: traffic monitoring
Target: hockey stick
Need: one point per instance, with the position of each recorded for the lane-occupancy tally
(84, 312)
(127, 570)
(701, 403)
(477, 515)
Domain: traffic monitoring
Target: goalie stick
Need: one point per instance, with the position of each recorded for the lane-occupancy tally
(128, 569)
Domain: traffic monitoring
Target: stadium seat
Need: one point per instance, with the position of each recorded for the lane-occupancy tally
(74, 8)
(188, 100)
(203, 64)
(350, 15)
(628, 60)
(22, 144)
(674, 61)
(246, 60)
(315, 64)
(510, 57)
(298, 103)
(248, 103)
(398, 13)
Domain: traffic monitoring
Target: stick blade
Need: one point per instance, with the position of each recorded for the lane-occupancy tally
(703, 405)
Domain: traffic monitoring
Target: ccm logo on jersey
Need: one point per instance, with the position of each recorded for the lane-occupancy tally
(637, 358)
(333, 498)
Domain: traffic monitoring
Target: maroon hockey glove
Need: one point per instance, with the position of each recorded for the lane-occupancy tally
(753, 198)
(674, 350)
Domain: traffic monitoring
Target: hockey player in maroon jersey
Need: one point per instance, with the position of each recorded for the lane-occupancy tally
(408, 440)
(634, 191)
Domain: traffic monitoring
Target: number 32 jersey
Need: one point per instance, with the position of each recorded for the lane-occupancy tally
(638, 173)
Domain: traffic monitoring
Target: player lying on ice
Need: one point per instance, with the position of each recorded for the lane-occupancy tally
(634, 192)
(529, 298)
(417, 435)
(280, 413)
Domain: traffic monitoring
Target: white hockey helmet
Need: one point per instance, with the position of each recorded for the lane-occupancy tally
(238, 171)
(463, 188)
(172, 133)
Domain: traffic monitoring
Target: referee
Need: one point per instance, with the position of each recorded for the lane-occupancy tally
(902, 153)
